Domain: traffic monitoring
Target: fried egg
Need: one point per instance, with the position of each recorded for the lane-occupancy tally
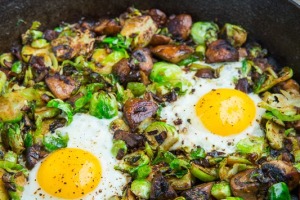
(213, 115)
(83, 170)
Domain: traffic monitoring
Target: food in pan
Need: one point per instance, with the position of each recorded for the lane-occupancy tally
(146, 106)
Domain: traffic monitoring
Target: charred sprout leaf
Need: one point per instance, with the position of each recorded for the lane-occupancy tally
(188, 61)
(141, 188)
(256, 51)
(279, 191)
(55, 141)
(17, 67)
(221, 190)
(40, 43)
(266, 82)
(28, 140)
(136, 88)
(278, 114)
(205, 175)
(251, 145)
(170, 76)
(11, 157)
(123, 95)
(132, 162)
(103, 105)
(161, 135)
(118, 145)
(15, 138)
(65, 107)
(118, 42)
(6, 59)
(236, 35)
(275, 135)
(246, 67)
(204, 32)
(197, 153)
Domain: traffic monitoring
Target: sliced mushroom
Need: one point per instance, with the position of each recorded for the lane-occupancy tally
(180, 26)
(290, 85)
(205, 73)
(107, 27)
(243, 85)
(161, 189)
(121, 69)
(201, 191)
(50, 35)
(143, 59)
(221, 51)
(158, 16)
(172, 53)
(244, 185)
(160, 40)
(132, 140)
(61, 86)
(33, 155)
(37, 63)
(280, 171)
(137, 110)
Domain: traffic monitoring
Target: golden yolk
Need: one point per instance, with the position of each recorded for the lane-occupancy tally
(226, 111)
(69, 173)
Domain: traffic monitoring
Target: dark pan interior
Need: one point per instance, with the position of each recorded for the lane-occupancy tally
(273, 23)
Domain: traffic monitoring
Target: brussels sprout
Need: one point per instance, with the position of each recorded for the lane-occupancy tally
(182, 183)
(197, 153)
(123, 95)
(251, 145)
(3, 80)
(118, 124)
(255, 51)
(132, 162)
(170, 76)
(148, 150)
(161, 135)
(221, 190)
(55, 141)
(39, 44)
(143, 172)
(114, 198)
(180, 198)
(65, 107)
(16, 182)
(142, 27)
(236, 35)
(11, 157)
(237, 165)
(203, 174)
(118, 145)
(204, 32)
(136, 88)
(275, 135)
(200, 51)
(141, 188)
(103, 105)
(233, 198)
(13, 167)
(3, 191)
(279, 191)
(6, 59)
(15, 139)
(28, 78)
(118, 42)
(17, 67)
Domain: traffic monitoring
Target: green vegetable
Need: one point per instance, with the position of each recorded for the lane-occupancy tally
(251, 145)
(143, 172)
(188, 61)
(55, 141)
(170, 76)
(28, 140)
(136, 88)
(255, 51)
(6, 58)
(204, 32)
(118, 124)
(182, 183)
(3, 80)
(221, 190)
(141, 188)
(132, 162)
(197, 153)
(279, 191)
(123, 95)
(275, 135)
(17, 67)
(205, 175)
(118, 145)
(65, 107)
(246, 67)
(118, 42)
(161, 135)
(103, 105)
(40, 43)
(11, 157)
(233, 198)
(36, 34)
(236, 35)
(13, 167)
(15, 139)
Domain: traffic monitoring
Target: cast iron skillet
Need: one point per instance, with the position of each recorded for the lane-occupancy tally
(273, 23)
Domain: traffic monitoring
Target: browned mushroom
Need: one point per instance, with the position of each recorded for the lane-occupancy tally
(158, 16)
(243, 85)
(107, 27)
(180, 26)
(172, 53)
(244, 185)
(290, 85)
(281, 171)
(161, 189)
(159, 40)
(221, 51)
(142, 58)
(61, 86)
(205, 73)
(132, 140)
(137, 110)
(201, 191)
(121, 69)
(50, 35)
(33, 155)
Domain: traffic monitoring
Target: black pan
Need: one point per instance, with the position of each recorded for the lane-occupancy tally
(273, 23)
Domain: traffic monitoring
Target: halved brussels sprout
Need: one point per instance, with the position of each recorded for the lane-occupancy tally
(275, 135)
(204, 174)
(204, 32)
(221, 190)
(235, 34)
(141, 188)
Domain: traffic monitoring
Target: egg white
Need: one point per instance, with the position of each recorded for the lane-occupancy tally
(192, 132)
(91, 134)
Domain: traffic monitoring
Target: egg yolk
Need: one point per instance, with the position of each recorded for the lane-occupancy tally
(69, 173)
(226, 111)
